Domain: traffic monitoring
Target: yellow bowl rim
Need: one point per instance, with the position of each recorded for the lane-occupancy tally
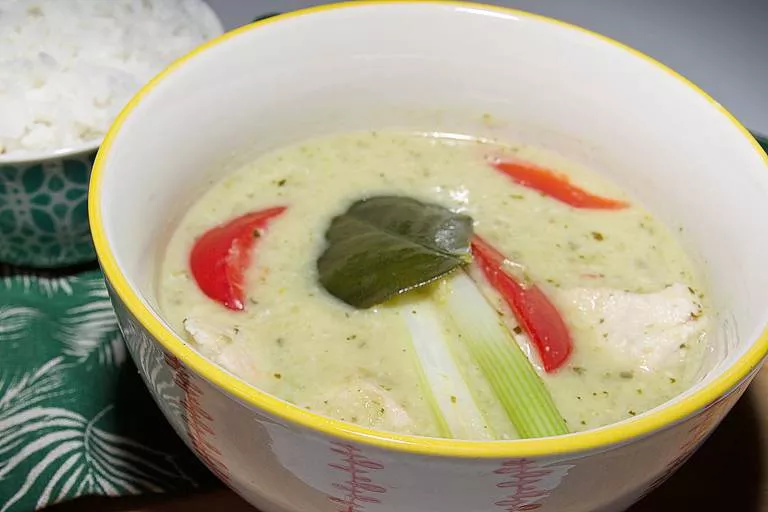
(572, 443)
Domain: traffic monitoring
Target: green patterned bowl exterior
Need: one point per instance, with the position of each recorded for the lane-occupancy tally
(44, 211)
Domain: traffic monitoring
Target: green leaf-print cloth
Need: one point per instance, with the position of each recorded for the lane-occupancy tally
(75, 417)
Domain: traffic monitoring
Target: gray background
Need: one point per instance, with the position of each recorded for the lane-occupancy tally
(721, 45)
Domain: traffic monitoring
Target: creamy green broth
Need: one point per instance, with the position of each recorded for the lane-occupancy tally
(630, 296)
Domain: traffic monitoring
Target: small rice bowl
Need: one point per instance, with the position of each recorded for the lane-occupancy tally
(69, 66)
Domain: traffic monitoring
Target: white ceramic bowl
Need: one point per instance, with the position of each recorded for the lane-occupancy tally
(430, 66)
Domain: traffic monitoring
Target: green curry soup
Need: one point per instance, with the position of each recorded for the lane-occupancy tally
(594, 265)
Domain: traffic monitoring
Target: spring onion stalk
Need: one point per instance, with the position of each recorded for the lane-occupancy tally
(444, 386)
(510, 374)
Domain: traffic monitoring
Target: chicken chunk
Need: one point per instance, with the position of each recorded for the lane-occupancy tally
(365, 402)
(219, 343)
(647, 330)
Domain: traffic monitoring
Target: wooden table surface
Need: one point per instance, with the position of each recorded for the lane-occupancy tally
(729, 474)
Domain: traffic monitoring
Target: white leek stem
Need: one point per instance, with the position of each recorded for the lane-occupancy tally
(451, 398)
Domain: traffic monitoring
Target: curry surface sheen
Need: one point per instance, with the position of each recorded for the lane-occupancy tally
(623, 283)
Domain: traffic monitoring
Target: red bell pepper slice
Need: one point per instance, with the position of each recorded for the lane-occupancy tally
(555, 186)
(221, 255)
(537, 315)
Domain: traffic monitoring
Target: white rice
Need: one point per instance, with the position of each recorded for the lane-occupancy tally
(67, 67)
